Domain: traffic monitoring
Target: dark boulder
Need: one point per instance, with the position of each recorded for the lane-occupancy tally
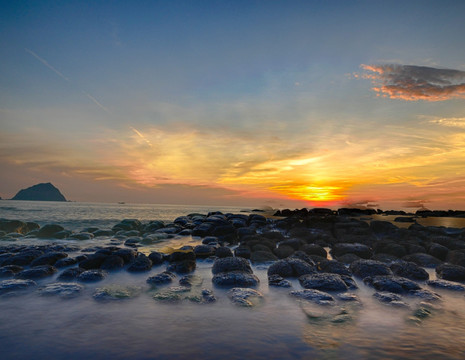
(92, 275)
(37, 272)
(259, 257)
(243, 252)
(15, 285)
(438, 251)
(290, 268)
(140, 263)
(451, 272)
(49, 230)
(223, 252)
(127, 225)
(22, 259)
(445, 284)
(323, 281)
(314, 249)
(112, 262)
(228, 264)
(423, 259)
(315, 296)
(156, 257)
(364, 268)
(393, 284)
(409, 270)
(181, 255)
(49, 258)
(204, 251)
(390, 299)
(235, 279)
(333, 266)
(276, 280)
(67, 261)
(182, 267)
(128, 255)
(165, 277)
(10, 270)
(70, 274)
(382, 227)
(360, 250)
(283, 251)
(93, 261)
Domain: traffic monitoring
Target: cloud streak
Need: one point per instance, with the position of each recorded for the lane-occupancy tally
(46, 63)
(411, 83)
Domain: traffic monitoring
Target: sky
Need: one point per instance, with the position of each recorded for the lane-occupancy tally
(246, 103)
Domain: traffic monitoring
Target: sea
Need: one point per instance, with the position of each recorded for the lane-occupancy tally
(277, 327)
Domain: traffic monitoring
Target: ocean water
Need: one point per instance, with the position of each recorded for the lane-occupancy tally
(279, 327)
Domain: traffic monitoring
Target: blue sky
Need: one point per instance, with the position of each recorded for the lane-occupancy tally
(232, 100)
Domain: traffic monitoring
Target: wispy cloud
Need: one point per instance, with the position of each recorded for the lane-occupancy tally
(410, 82)
(96, 102)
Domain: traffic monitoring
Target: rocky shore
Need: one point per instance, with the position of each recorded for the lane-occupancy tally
(320, 256)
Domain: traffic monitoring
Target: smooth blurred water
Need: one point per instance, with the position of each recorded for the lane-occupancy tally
(38, 327)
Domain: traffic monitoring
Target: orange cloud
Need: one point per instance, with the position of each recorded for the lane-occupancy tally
(411, 83)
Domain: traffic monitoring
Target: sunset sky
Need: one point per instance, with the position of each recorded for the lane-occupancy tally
(279, 103)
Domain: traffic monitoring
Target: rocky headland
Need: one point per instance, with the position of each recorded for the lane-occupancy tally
(40, 192)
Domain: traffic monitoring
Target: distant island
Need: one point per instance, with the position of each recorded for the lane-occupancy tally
(40, 192)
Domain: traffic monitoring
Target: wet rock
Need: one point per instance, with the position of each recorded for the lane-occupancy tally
(48, 231)
(116, 292)
(63, 234)
(243, 252)
(349, 281)
(451, 272)
(49, 258)
(181, 255)
(13, 226)
(323, 281)
(156, 258)
(23, 259)
(315, 296)
(409, 270)
(70, 274)
(259, 257)
(101, 233)
(67, 261)
(283, 251)
(93, 261)
(133, 241)
(303, 256)
(140, 263)
(191, 280)
(290, 268)
(127, 225)
(384, 258)
(231, 264)
(128, 255)
(360, 250)
(10, 270)
(15, 285)
(445, 284)
(348, 297)
(207, 296)
(182, 267)
(172, 294)
(425, 295)
(348, 258)
(438, 251)
(392, 284)
(63, 290)
(364, 268)
(165, 277)
(314, 249)
(391, 248)
(245, 297)
(391, 299)
(37, 272)
(236, 279)
(92, 275)
(423, 259)
(276, 280)
(223, 252)
(112, 262)
(382, 227)
(204, 251)
(333, 266)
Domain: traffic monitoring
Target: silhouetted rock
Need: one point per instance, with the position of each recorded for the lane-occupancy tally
(40, 192)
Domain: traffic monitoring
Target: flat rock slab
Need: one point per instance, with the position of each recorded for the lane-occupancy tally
(16, 284)
(64, 290)
(235, 279)
(324, 282)
(116, 292)
(245, 297)
(445, 284)
(393, 284)
(390, 299)
(314, 296)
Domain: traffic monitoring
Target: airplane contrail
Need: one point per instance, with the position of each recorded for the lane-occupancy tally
(147, 141)
(45, 62)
